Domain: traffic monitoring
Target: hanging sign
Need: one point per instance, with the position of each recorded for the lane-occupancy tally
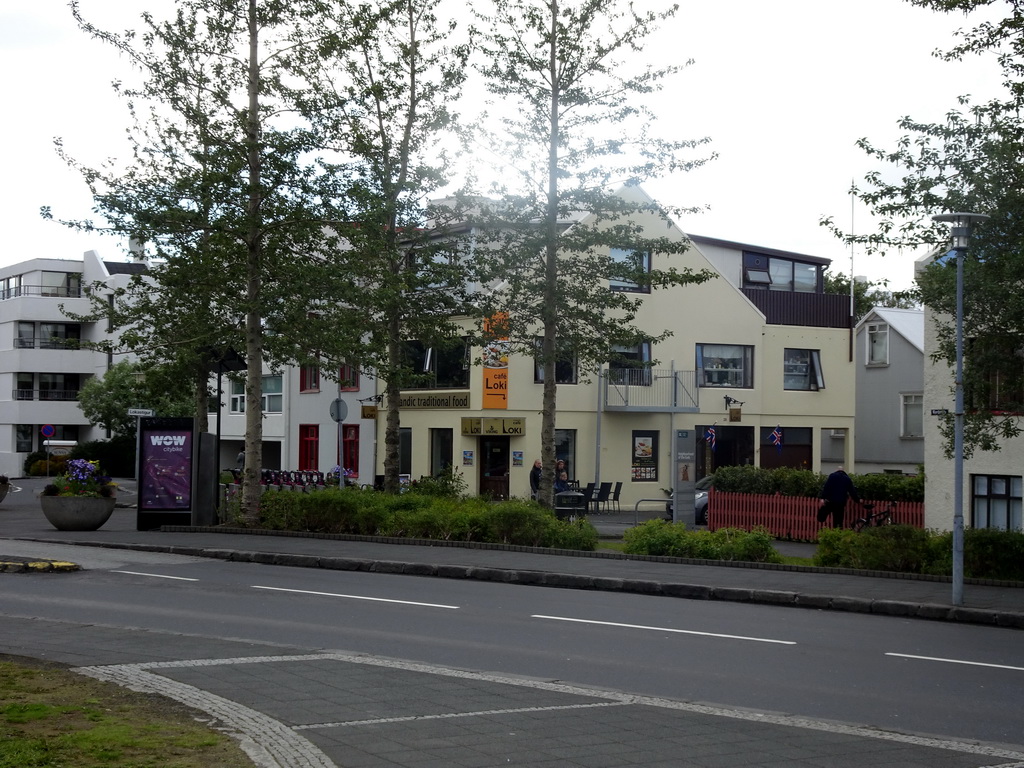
(495, 362)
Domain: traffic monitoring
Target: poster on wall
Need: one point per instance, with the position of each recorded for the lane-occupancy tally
(645, 456)
(467, 458)
(165, 465)
(495, 362)
(517, 458)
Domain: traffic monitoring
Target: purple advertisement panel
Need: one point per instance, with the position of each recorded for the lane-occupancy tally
(165, 468)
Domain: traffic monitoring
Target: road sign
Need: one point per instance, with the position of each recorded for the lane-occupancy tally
(939, 411)
(48, 430)
(339, 409)
(141, 412)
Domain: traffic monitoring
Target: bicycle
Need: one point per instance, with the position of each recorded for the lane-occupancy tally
(873, 519)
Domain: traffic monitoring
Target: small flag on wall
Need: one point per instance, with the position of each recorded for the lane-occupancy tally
(709, 436)
(777, 438)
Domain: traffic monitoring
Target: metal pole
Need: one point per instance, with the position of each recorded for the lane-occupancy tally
(961, 233)
(958, 439)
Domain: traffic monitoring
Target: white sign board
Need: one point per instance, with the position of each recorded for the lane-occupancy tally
(141, 412)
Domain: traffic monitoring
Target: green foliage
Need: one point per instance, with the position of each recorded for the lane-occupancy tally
(658, 537)
(801, 482)
(116, 456)
(867, 295)
(105, 400)
(417, 515)
(988, 553)
(42, 467)
(449, 482)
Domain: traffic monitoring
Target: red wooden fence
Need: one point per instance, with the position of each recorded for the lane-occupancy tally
(793, 517)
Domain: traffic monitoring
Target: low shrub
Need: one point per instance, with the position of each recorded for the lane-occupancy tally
(658, 537)
(53, 466)
(801, 482)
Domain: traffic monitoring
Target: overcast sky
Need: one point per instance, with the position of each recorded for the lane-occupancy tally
(784, 88)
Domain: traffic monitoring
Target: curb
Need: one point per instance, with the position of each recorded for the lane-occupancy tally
(897, 608)
(10, 564)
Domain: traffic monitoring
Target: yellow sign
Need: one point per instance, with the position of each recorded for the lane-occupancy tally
(495, 360)
(368, 411)
(482, 426)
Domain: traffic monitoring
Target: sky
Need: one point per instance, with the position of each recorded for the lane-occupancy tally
(784, 89)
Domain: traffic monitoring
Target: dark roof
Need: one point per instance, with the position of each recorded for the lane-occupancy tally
(699, 239)
(124, 267)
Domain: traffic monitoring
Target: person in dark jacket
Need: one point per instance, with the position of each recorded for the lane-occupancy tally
(535, 479)
(838, 488)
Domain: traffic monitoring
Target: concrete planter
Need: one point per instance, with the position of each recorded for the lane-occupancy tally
(77, 513)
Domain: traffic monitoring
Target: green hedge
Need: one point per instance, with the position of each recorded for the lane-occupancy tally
(658, 537)
(802, 482)
(988, 553)
(417, 515)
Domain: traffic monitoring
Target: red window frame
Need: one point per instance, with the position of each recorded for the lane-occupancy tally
(309, 378)
(309, 447)
(348, 376)
(350, 448)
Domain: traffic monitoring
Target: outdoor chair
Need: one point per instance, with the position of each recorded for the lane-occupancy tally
(604, 492)
(613, 502)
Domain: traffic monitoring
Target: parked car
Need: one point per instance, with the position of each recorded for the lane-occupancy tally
(700, 499)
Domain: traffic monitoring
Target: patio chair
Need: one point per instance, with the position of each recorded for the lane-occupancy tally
(604, 492)
(613, 502)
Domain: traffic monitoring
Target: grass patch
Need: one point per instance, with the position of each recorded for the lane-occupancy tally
(51, 717)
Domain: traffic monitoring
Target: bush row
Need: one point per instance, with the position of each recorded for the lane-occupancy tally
(658, 537)
(116, 456)
(802, 482)
(418, 515)
(988, 553)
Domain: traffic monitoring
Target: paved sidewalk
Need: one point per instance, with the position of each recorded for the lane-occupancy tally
(302, 707)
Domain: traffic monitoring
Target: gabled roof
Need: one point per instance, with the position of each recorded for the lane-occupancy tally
(908, 323)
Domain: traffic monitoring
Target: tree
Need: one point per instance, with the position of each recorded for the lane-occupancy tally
(105, 401)
(400, 276)
(571, 89)
(867, 295)
(973, 162)
(224, 183)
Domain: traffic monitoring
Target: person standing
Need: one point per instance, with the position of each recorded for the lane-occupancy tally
(535, 479)
(837, 489)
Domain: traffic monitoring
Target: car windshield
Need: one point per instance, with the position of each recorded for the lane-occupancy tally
(704, 483)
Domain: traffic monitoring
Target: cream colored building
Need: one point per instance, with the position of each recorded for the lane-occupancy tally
(757, 347)
(992, 496)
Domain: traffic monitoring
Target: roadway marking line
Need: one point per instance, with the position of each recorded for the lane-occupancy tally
(956, 661)
(155, 575)
(357, 597)
(665, 629)
(450, 715)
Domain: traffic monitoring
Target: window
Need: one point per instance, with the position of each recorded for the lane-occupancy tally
(11, 287)
(565, 366)
(438, 367)
(912, 415)
(348, 378)
(725, 365)
(996, 502)
(802, 370)
(26, 336)
(24, 387)
(309, 446)
(776, 273)
(878, 344)
(23, 435)
(58, 386)
(273, 400)
(64, 284)
(441, 451)
(350, 449)
(631, 364)
(565, 450)
(59, 335)
(626, 266)
(309, 378)
(405, 450)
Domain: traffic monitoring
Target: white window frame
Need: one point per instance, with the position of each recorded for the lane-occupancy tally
(876, 338)
(641, 259)
(713, 374)
(910, 400)
(272, 399)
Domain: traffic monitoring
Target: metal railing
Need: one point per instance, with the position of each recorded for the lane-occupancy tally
(55, 291)
(651, 389)
(46, 342)
(44, 394)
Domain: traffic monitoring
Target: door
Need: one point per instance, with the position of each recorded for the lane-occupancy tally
(494, 464)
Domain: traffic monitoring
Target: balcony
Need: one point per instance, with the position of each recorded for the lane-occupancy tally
(57, 291)
(650, 389)
(45, 394)
(816, 310)
(47, 342)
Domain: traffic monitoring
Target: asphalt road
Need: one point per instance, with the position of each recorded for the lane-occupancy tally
(947, 680)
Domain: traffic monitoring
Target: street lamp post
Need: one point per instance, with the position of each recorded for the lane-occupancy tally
(960, 233)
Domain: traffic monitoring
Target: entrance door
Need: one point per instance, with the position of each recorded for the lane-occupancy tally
(494, 464)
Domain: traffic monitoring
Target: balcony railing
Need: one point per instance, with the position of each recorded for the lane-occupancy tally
(56, 291)
(46, 342)
(651, 389)
(817, 310)
(45, 394)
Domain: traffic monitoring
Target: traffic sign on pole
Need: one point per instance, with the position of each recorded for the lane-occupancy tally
(141, 412)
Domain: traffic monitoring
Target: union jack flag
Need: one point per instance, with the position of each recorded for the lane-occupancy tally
(709, 435)
(777, 438)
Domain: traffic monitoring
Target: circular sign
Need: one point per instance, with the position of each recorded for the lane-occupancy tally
(48, 430)
(339, 409)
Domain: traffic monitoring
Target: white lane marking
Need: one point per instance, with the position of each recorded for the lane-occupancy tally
(357, 597)
(454, 715)
(155, 575)
(666, 629)
(956, 661)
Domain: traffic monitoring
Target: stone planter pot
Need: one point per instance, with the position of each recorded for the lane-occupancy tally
(77, 513)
